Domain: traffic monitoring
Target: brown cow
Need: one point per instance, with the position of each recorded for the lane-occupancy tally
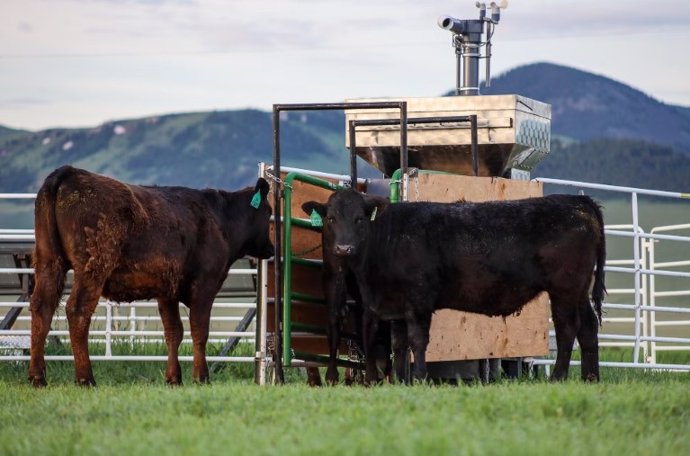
(128, 242)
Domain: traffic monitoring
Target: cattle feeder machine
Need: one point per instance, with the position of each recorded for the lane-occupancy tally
(467, 147)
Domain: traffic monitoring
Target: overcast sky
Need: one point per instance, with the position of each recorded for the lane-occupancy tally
(66, 63)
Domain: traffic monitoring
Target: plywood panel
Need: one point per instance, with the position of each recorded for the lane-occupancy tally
(305, 243)
(313, 314)
(304, 280)
(317, 345)
(459, 335)
(446, 188)
(303, 312)
(301, 193)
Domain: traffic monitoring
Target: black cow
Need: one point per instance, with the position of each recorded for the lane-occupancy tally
(128, 242)
(339, 282)
(489, 258)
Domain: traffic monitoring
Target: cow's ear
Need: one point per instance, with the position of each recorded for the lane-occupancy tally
(374, 206)
(311, 206)
(262, 187)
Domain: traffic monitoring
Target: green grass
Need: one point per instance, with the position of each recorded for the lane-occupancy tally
(645, 415)
(132, 412)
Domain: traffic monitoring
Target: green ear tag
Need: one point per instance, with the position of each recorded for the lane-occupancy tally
(315, 218)
(256, 200)
(373, 214)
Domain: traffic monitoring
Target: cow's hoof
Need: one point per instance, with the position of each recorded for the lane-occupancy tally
(172, 382)
(591, 378)
(202, 381)
(371, 381)
(332, 377)
(85, 382)
(38, 382)
(313, 377)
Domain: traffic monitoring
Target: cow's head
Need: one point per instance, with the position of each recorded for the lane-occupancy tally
(259, 244)
(347, 219)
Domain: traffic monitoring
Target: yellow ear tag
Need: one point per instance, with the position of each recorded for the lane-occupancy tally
(256, 200)
(315, 218)
(373, 214)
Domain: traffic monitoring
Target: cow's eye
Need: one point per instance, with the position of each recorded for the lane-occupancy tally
(330, 220)
(359, 220)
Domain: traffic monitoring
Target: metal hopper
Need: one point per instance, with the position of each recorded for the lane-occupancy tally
(513, 132)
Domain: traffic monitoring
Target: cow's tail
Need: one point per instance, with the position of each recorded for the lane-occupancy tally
(599, 288)
(48, 243)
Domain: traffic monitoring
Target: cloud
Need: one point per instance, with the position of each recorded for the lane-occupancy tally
(19, 102)
(549, 17)
(24, 27)
(95, 59)
(139, 2)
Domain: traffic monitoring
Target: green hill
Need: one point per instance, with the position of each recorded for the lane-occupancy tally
(624, 162)
(208, 149)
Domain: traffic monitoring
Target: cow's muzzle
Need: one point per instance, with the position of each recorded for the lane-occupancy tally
(343, 250)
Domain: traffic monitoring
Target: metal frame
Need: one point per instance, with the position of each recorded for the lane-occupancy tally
(281, 352)
(301, 359)
(278, 262)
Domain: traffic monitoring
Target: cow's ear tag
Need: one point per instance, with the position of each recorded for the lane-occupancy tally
(256, 200)
(373, 213)
(315, 218)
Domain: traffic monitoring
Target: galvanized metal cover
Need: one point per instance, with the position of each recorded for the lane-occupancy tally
(513, 132)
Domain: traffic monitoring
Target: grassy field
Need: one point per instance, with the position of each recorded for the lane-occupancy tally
(133, 413)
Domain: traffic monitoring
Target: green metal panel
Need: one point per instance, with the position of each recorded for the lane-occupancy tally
(288, 222)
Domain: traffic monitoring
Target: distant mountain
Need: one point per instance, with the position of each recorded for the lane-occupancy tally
(11, 132)
(602, 131)
(683, 111)
(586, 106)
(207, 149)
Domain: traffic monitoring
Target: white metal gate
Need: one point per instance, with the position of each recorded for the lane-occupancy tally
(642, 314)
(658, 294)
